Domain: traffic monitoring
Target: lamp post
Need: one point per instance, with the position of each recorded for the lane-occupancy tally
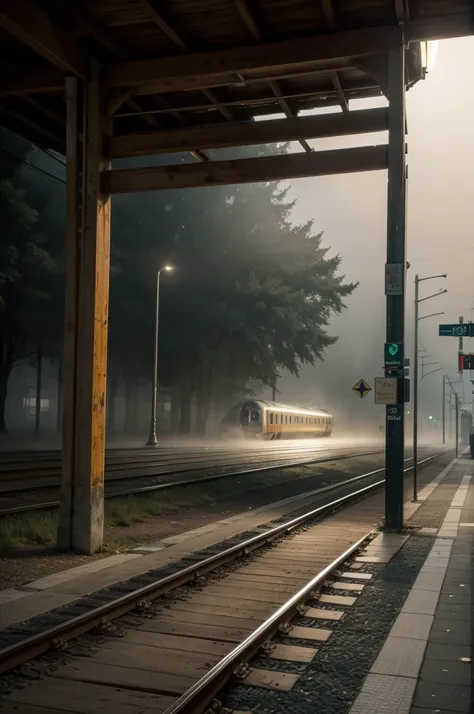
(418, 280)
(152, 437)
(453, 391)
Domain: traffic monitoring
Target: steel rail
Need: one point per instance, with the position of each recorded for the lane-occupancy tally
(20, 652)
(198, 697)
(194, 466)
(175, 484)
(174, 464)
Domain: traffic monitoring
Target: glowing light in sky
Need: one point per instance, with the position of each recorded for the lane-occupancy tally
(432, 51)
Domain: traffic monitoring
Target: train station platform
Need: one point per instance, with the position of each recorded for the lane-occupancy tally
(425, 664)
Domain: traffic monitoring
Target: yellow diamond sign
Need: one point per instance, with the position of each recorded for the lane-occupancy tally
(361, 388)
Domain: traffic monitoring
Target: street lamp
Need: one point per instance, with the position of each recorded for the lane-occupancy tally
(418, 280)
(152, 438)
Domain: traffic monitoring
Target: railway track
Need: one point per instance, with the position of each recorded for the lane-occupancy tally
(193, 640)
(198, 469)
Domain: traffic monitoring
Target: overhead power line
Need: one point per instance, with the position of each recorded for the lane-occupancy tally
(31, 166)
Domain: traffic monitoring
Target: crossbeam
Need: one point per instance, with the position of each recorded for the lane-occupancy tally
(219, 67)
(267, 168)
(29, 24)
(246, 134)
(275, 59)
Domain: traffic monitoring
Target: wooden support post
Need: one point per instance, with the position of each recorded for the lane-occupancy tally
(81, 517)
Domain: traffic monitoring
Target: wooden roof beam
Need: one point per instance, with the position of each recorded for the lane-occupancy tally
(339, 91)
(167, 24)
(25, 21)
(267, 168)
(40, 131)
(32, 81)
(254, 29)
(249, 133)
(329, 14)
(275, 59)
(220, 67)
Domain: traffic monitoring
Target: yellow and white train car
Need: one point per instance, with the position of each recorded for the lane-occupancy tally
(268, 420)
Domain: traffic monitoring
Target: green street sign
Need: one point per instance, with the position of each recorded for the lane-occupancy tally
(393, 354)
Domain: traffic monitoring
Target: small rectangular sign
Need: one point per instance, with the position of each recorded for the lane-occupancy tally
(393, 354)
(394, 273)
(457, 330)
(386, 390)
(394, 413)
(467, 362)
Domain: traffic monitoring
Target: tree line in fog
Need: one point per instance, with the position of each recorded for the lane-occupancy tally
(252, 292)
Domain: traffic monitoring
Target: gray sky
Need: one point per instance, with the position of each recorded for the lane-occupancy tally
(351, 210)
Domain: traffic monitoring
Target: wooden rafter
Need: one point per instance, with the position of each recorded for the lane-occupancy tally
(167, 24)
(219, 136)
(339, 91)
(267, 168)
(254, 29)
(37, 128)
(44, 110)
(161, 17)
(329, 13)
(214, 68)
(261, 101)
(331, 19)
(25, 21)
(401, 10)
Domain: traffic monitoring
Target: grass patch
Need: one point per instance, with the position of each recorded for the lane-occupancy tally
(28, 529)
(125, 511)
(40, 528)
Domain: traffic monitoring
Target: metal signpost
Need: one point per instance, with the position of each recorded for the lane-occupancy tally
(395, 288)
(418, 300)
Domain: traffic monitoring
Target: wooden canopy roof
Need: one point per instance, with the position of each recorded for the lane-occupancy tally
(208, 67)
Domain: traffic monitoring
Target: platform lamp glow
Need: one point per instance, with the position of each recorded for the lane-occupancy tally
(152, 437)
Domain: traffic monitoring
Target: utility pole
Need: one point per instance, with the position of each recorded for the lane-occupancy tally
(444, 409)
(456, 401)
(418, 280)
(395, 273)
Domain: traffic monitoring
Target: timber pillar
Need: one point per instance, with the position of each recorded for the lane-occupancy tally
(81, 514)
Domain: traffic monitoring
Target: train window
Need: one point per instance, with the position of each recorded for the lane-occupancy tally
(271, 418)
(286, 419)
(276, 418)
(255, 416)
